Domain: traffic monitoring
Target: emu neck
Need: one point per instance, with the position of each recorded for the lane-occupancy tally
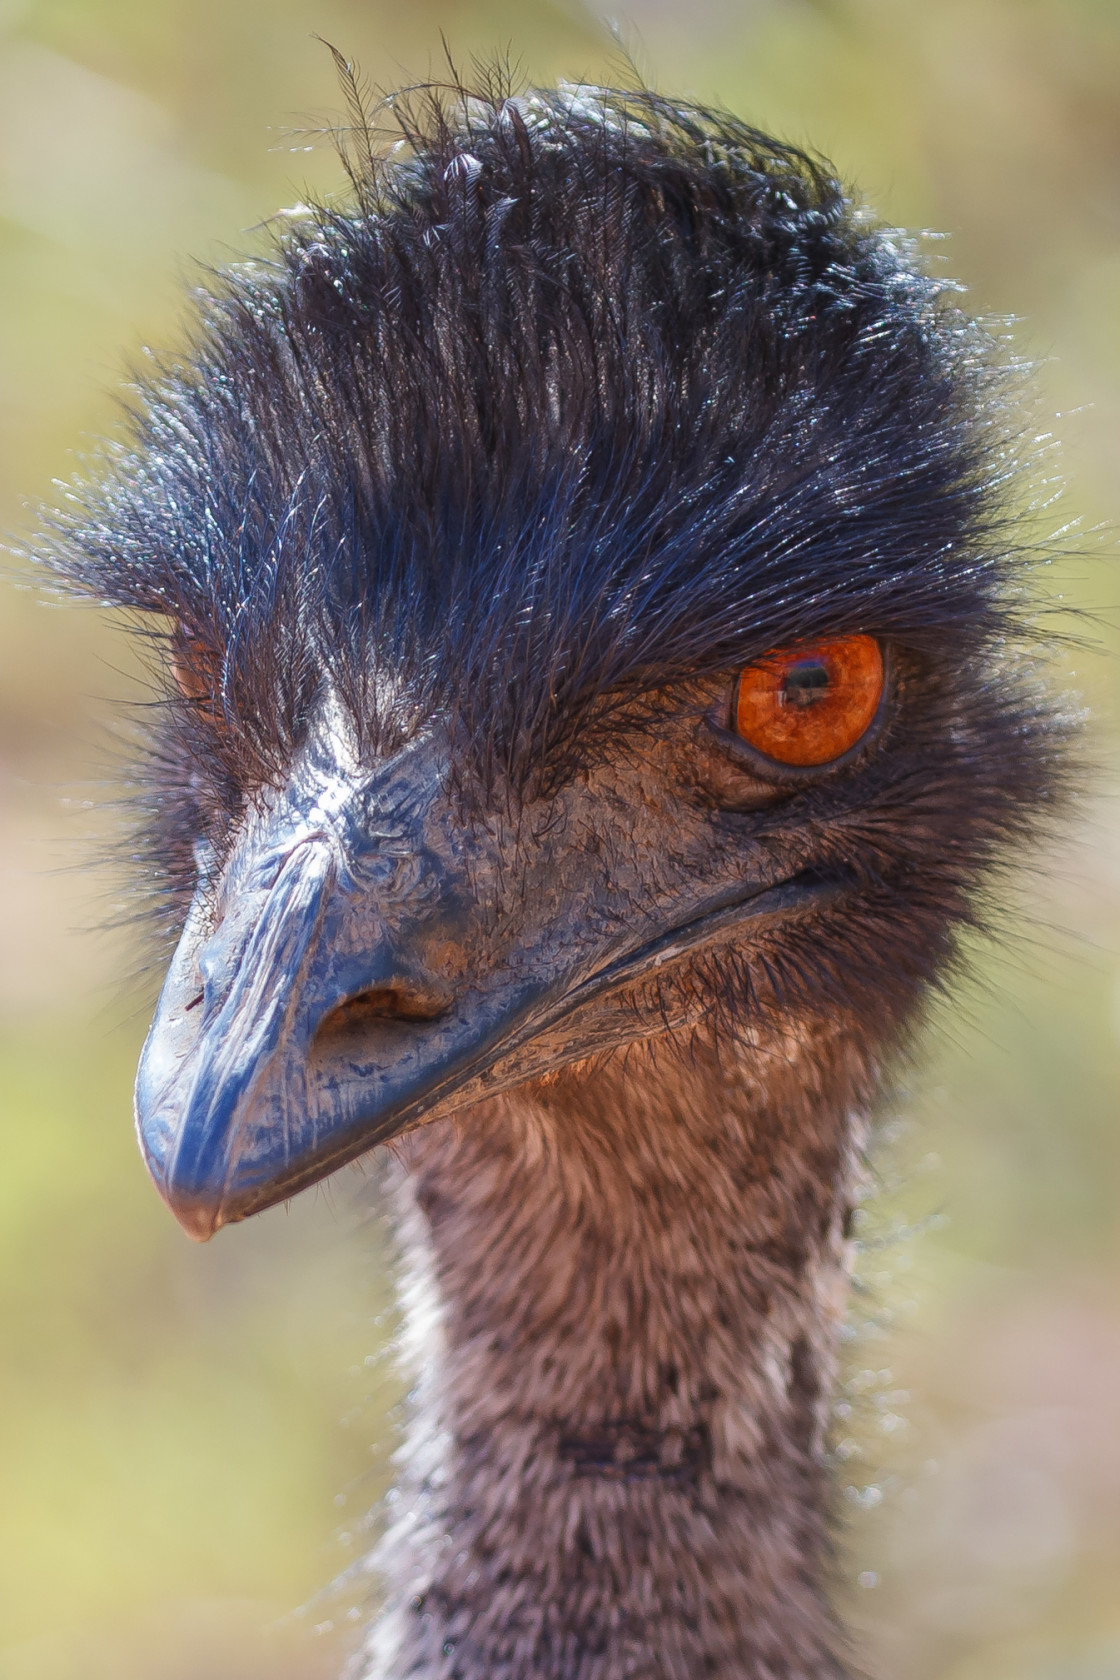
(625, 1292)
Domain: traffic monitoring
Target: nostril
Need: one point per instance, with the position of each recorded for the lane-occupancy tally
(399, 1001)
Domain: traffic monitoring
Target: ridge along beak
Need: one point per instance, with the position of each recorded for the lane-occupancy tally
(359, 963)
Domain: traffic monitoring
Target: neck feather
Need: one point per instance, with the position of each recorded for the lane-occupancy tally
(624, 1290)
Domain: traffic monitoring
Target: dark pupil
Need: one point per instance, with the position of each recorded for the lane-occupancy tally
(805, 683)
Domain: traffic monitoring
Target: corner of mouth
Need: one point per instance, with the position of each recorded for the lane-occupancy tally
(809, 888)
(817, 878)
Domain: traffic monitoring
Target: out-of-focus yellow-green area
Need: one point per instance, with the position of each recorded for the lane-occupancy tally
(185, 1434)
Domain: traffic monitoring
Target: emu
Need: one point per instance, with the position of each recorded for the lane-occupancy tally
(598, 698)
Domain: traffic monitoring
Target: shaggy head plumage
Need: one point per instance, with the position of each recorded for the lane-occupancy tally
(591, 394)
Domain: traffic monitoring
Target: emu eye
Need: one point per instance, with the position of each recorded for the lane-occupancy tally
(808, 705)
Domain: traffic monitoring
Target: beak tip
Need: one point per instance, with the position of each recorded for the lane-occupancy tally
(199, 1219)
(199, 1214)
(185, 1191)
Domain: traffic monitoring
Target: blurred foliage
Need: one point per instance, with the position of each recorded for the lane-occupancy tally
(185, 1434)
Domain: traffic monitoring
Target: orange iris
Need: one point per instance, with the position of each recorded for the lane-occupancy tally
(807, 705)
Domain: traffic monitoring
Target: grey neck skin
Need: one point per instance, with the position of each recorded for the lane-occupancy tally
(624, 1288)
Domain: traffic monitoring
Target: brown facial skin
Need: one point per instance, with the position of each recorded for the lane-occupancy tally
(381, 944)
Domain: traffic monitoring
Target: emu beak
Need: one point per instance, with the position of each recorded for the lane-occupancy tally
(301, 1021)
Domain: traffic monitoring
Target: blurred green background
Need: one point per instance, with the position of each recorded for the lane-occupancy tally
(188, 1437)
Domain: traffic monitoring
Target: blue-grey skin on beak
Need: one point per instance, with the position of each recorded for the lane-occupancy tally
(364, 958)
(300, 1021)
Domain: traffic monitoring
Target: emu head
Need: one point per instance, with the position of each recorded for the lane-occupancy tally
(586, 578)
